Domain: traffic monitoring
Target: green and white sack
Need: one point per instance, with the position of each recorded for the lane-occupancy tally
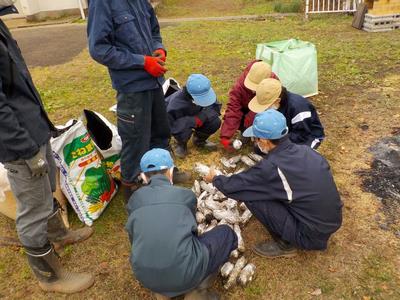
(107, 141)
(295, 63)
(83, 178)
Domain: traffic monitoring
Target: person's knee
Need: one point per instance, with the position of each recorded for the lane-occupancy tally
(213, 125)
(230, 235)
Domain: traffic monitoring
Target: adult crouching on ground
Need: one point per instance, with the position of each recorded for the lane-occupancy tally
(291, 191)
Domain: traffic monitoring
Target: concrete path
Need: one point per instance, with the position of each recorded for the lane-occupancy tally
(51, 45)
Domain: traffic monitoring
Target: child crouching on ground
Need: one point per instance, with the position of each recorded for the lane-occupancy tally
(168, 257)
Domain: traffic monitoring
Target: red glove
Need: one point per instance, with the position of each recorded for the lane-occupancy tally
(161, 54)
(199, 122)
(226, 143)
(154, 66)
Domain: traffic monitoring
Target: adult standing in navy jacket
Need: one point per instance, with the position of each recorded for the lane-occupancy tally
(125, 37)
(291, 191)
(304, 125)
(194, 110)
(25, 151)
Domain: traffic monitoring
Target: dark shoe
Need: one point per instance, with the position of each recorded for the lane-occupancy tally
(200, 141)
(129, 189)
(181, 176)
(273, 249)
(60, 236)
(180, 150)
(51, 275)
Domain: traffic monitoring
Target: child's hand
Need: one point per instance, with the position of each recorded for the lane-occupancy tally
(210, 176)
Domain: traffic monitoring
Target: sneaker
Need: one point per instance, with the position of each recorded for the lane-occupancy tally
(272, 249)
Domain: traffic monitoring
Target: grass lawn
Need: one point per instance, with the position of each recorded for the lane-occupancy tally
(213, 8)
(359, 77)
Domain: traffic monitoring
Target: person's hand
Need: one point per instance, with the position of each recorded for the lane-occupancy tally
(38, 165)
(161, 54)
(154, 66)
(210, 176)
(227, 144)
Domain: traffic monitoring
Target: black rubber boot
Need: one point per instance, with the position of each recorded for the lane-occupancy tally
(200, 141)
(275, 248)
(51, 275)
(61, 236)
(180, 149)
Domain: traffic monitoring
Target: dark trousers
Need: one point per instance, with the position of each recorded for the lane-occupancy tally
(142, 125)
(204, 132)
(220, 242)
(281, 224)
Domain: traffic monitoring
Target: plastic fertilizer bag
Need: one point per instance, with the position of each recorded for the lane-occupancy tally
(107, 141)
(295, 63)
(84, 179)
(4, 184)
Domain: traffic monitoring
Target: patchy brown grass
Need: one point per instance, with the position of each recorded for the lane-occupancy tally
(359, 83)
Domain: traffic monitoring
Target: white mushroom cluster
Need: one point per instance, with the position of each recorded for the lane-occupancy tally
(213, 209)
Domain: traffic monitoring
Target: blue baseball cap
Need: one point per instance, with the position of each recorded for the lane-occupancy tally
(199, 87)
(156, 160)
(270, 125)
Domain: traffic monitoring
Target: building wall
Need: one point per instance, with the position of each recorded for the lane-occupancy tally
(39, 9)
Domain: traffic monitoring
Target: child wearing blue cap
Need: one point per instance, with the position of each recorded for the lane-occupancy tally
(194, 110)
(291, 191)
(168, 257)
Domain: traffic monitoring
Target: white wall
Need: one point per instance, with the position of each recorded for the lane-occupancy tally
(31, 7)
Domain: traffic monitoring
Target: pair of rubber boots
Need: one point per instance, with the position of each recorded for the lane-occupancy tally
(45, 263)
(199, 141)
(202, 292)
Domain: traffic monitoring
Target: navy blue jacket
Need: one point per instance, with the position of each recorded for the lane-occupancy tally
(167, 257)
(121, 33)
(302, 119)
(24, 124)
(182, 110)
(295, 175)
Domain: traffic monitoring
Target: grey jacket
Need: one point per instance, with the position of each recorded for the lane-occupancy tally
(24, 124)
(167, 257)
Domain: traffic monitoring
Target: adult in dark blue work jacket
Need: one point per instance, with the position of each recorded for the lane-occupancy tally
(194, 109)
(168, 257)
(302, 119)
(124, 35)
(25, 151)
(291, 191)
